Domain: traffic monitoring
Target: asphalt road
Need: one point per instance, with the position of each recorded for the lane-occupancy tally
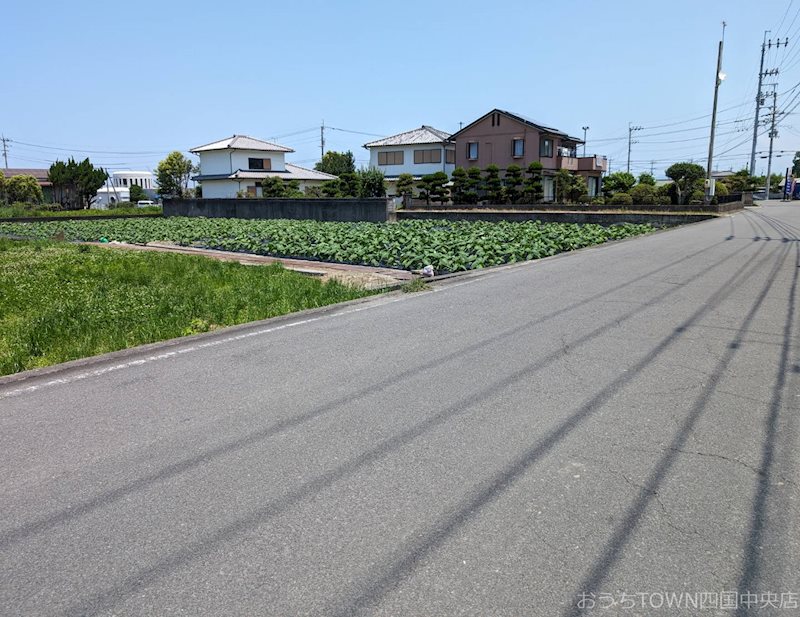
(621, 421)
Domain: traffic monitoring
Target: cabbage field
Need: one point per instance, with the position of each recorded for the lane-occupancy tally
(409, 245)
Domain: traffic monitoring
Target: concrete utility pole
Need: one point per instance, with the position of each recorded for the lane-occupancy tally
(760, 96)
(5, 141)
(322, 141)
(717, 81)
(772, 133)
(585, 128)
(631, 129)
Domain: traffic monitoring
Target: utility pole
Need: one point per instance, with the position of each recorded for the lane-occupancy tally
(718, 77)
(322, 141)
(5, 141)
(631, 129)
(772, 133)
(585, 128)
(760, 96)
(652, 168)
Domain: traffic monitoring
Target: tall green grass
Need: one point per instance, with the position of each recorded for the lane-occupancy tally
(60, 301)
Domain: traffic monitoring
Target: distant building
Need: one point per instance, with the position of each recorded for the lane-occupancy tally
(118, 188)
(127, 179)
(418, 152)
(109, 196)
(504, 138)
(239, 164)
(39, 174)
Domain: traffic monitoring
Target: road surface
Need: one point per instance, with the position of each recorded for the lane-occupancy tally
(619, 424)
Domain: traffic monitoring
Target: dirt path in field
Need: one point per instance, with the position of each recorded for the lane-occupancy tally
(365, 277)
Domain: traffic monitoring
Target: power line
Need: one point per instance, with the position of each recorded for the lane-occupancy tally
(152, 153)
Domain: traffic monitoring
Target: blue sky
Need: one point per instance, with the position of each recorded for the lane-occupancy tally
(125, 83)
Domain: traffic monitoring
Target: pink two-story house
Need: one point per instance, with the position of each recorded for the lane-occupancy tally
(504, 138)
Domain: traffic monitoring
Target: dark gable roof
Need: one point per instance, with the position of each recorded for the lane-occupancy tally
(39, 174)
(524, 120)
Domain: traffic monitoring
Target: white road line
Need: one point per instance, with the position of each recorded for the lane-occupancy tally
(188, 349)
(183, 350)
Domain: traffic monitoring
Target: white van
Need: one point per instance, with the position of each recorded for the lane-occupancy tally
(144, 202)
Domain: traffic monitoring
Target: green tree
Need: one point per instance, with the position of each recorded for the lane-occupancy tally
(740, 181)
(646, 178)
(172, 175)
(533, 188)
(432, 187)
(337, 163)
(618, 182)
(569, 187)
(293, 189)
(3, 199)
(349, 184)
(643, 194)
(89, 179)
(493, 184)
(459, 189)
(137, 193)
(75, 184)
(513, 183)
(405, 184)
(331, 189)
(24, 188)
(273, 187)
(796, 165)
(474, 185)
(688, 177)
(371, 183)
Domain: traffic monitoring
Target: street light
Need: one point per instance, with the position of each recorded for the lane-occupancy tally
(585, 128)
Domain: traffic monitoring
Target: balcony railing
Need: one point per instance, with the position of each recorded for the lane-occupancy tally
(595, 162)
(568, 162)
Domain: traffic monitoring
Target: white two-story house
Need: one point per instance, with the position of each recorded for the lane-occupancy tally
(419, 152)
(238, 165)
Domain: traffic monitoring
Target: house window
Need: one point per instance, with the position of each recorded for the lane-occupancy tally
(261, 164)
(251, 191)
(472, 150)
(518, 148)
(394, 157)
(546, 147)
(427, 156)
(450, 156)
(124, 182)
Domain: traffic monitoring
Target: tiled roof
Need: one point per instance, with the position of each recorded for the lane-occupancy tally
(39, 174)
(532, 122)
(525, 120)
(423, 135)
(242, 142)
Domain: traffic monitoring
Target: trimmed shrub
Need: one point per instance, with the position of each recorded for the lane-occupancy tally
(621, 199)
(599, 201)
(696, 198)
(643, 194)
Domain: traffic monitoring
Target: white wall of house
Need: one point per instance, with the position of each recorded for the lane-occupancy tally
(227, 189)
(228, 161)
(109, 196)
(408, 166)
(218, 189)
(145, 179)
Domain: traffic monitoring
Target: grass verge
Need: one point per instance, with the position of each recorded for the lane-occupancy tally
(14, 212)
(60, 302)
